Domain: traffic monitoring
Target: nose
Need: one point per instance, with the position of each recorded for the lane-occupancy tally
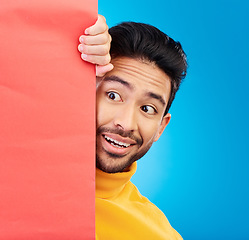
(126, 118)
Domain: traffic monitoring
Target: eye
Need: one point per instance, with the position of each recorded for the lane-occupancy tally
(114, 96)
(149, 109)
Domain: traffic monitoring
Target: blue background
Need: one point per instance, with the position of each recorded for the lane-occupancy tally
(197, 173)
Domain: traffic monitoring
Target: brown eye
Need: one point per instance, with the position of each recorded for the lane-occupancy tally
(148, 109)
(114, 96)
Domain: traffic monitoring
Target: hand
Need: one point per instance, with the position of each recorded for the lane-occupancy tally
(95, 46)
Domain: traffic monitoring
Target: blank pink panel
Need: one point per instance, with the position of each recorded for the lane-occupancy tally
(47, 125)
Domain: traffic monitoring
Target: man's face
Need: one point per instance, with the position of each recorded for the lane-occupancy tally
(131, 100)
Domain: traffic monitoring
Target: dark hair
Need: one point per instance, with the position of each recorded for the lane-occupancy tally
(145, 42)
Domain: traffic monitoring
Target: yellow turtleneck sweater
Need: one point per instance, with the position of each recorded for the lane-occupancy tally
(122, 213)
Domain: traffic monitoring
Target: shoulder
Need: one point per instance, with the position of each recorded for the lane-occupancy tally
(136, 197)
(150, 211)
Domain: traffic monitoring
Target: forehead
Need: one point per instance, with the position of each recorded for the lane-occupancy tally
(141, 75)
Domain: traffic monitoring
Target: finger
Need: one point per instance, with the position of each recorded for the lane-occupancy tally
(99, 27)
(100, 50)
(95, 40)
(102, 70)
(95, 59)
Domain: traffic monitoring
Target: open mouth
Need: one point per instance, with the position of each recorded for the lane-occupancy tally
(116, 143)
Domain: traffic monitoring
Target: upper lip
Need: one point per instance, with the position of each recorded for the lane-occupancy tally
(120, 139)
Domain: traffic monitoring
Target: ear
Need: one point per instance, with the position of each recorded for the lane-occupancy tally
(164, 123)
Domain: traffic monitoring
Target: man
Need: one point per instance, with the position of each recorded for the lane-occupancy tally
(133, 100)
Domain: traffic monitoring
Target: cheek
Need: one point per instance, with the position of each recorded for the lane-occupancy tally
(104, 114)
(149, 132)
(99, 110)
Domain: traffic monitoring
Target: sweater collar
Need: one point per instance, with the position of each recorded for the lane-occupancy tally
(111, 184)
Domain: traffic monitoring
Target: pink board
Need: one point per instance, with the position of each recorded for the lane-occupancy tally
(47, 125)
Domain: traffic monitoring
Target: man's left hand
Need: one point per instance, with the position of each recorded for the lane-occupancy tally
(95, 46)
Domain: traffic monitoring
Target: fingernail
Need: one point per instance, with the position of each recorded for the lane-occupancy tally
(87, 31)
(80, 48)
(81, 39)
(83, 56)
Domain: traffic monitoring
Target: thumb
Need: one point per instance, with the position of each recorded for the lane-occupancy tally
(101, 70)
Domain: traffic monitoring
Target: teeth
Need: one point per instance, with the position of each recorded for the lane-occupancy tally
(117, 142)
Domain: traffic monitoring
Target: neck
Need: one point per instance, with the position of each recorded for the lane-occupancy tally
(110, 184)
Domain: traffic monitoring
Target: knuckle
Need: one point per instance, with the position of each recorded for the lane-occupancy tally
(106, 59)
(103, 28)
(105, 49)
(102, 18)
(105, 38)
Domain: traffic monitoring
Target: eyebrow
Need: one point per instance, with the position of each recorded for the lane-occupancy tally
(156, 96)
(114, 78)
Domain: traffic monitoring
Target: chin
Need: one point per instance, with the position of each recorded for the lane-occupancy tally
(110, 163)
(113, 165)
